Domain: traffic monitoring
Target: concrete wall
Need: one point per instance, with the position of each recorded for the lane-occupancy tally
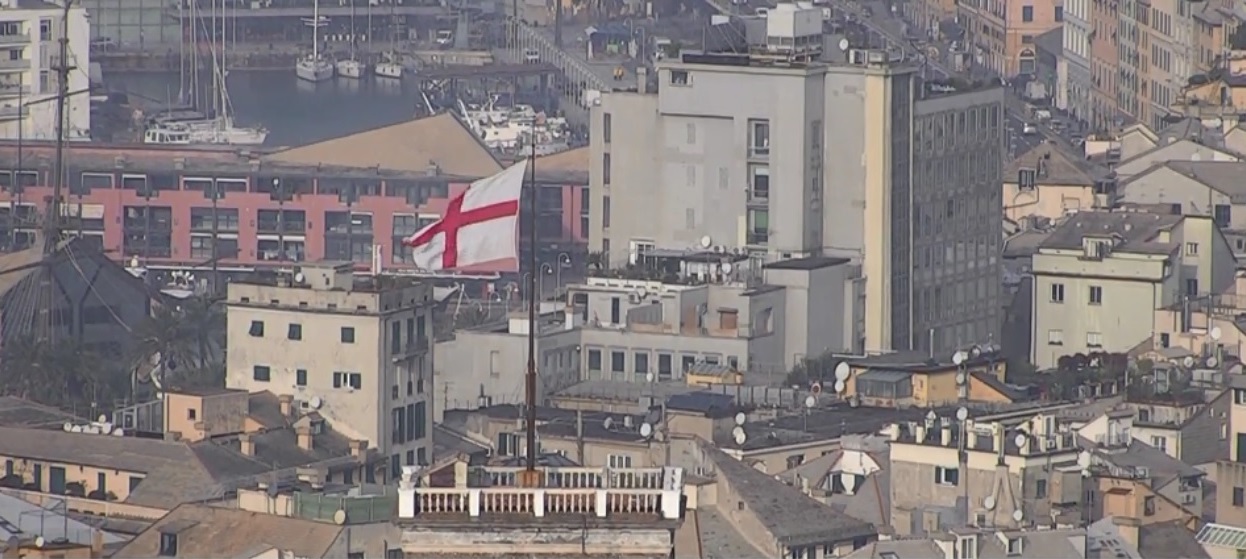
(550, 540)
(364, 413)
(493, 364)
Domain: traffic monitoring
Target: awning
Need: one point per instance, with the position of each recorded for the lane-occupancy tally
(889, 377)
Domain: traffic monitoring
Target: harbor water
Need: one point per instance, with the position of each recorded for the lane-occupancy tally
(295, 112)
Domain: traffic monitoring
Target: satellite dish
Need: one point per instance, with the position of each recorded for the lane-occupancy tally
(706, 241)
(740, 418)
(608, 423)
(646, 430)
(989, 502)
(739, 435)
(339, 517)
(1188, 361)
(1021, 440)
(315, 402)
(727, 267)
(1083, 459)
(1212, 361)
(68, 426)
(840, 386)
(133, 261)
(975, 352)
(77, 429)
(39, 541)
(811, 401)
(962, 414)
(119, 432)
(642, 292)
(843, 44)
(103, 418)
(1215, 333)
(1018, 515)
(958, 358)
(960, 379)
(931, 416)
(299, 278)
(815, 388)
(650, 377)
(842, 370)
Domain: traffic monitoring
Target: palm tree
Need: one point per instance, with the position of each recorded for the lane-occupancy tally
(186, 340)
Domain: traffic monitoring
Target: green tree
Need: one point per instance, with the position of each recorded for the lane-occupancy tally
(187, 341)
(819, 369)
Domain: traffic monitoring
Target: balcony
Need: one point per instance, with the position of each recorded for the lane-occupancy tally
(15, 39)
(272, 227)
(14, 65)
(756, 238)
(410, 349)
(14, 89)
(13, 112)
(569, 492)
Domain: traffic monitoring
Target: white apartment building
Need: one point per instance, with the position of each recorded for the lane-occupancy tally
(357, 353)
(781, 154)
(30, 32)
(1100, 276)
(1078, 82)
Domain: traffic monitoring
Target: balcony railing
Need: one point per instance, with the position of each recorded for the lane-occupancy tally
(14, 89)
(19, 64)
(14, 39)
(409, 348)
(599, 492)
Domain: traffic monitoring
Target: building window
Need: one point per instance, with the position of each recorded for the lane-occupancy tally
(617, 361)
(758, 227)
(261, 373)
(1059, 13)
(759, 182)
(605, 127)
(680, 78)
(1096, 295)
(640, 361)
(300, 377)
(1191, 286)
(1027, 14)
(295, 332)
(1191, 249)
(1040, 489)
(257, 329)
(1055, 337)
(665, 363)
(1057, 293)
(348, 335)
(1160, 442)
(1027, 39)
(1239, 497)
(168, 544)
(947, 476)
(1224, 215)
(1094, 339)
(605, 169)
(1148, 505)
(191, 413)
(1163, 339)
(351, 380)
(616, 461)
(594, 360)
(758, 138)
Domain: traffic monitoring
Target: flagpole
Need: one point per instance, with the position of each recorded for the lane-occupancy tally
(531, 478)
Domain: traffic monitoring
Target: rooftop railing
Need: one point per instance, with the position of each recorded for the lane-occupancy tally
(600, 492)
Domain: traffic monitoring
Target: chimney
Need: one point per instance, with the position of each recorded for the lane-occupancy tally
(286, 402)
(642, 80)
(304, 436)
(946, 436)
(919, 433)
(358, 449)
(248, 444)
(97, 543)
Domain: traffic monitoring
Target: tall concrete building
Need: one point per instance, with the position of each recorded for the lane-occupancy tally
(1077, 35)
(29, 55)
(782, 154)
(356, 353)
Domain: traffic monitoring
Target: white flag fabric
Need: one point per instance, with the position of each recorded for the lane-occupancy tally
(479, 225)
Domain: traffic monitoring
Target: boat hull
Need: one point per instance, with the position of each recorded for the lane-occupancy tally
(314, 72)
(389, 70)
(352, 69)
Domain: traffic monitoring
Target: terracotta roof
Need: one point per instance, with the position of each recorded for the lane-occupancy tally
(571, 160)
(204, 531)
(441, 140)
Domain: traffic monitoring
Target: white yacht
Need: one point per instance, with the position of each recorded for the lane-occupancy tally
(314, 67)
(217, 131)
(350, 68)
(167, 134)
(389, 69)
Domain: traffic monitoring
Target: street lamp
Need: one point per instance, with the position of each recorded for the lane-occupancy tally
(547, 269)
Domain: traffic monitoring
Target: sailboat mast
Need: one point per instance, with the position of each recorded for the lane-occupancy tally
(352, 29)
(316, 30)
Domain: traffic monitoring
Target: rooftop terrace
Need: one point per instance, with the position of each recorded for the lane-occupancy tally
(631, 495)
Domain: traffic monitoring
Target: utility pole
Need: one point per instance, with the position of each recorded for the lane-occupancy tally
(214, 191)
(51, 222)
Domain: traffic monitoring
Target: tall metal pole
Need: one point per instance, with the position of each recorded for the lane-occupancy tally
(216, 255)
(533, 478)
(51, 222)
(17, 176)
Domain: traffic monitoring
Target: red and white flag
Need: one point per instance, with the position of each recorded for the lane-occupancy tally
(479, 225)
